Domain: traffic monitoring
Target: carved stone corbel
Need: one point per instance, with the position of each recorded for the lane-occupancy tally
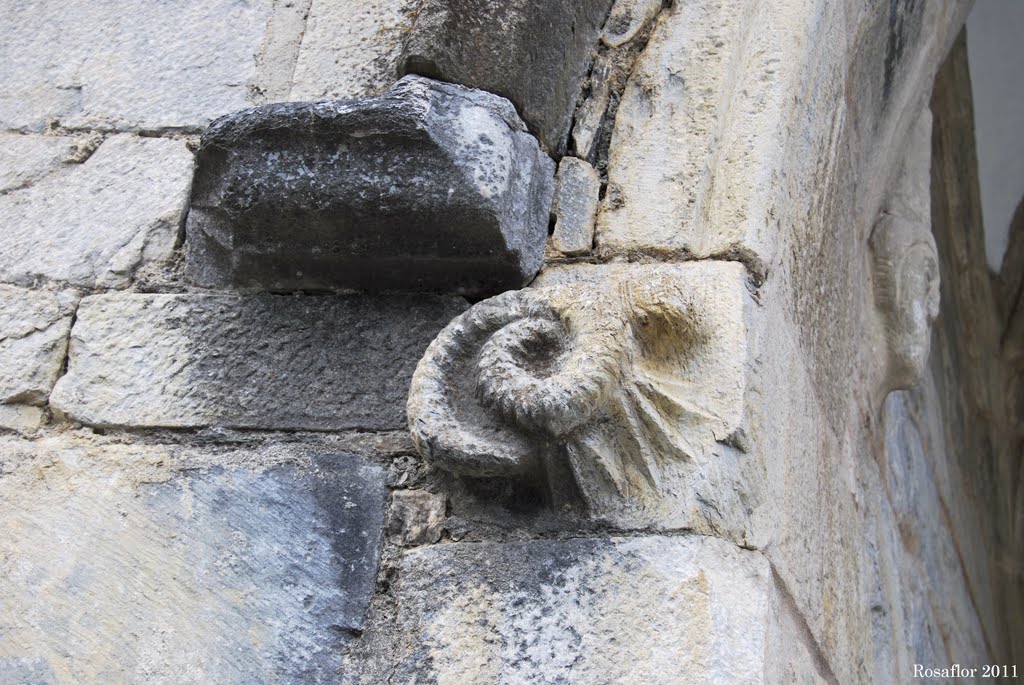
(608, 383)
(905, 265)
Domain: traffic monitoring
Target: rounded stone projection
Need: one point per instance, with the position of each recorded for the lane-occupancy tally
(430, 186)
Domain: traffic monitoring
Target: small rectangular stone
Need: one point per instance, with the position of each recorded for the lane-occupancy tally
(271, 362)
(574, 205)
(34, 326)
(20, 417)
(92, 223)
(159, 563)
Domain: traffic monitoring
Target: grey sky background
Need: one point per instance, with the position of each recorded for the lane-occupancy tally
(995, 51)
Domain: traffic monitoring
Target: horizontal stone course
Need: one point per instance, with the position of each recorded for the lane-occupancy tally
(262, 362)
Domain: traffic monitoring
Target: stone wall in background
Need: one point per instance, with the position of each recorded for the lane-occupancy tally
(212, 480)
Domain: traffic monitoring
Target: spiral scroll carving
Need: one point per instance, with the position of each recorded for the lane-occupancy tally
(588, 379)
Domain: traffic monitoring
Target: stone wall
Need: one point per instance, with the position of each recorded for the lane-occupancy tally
(207, 472)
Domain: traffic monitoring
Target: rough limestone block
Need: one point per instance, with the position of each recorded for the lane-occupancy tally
(26, 158)
(675, 113)
(94, 223)
(34, 327)
(20, 417)
(430, 186)
(642, 610)
(534, 52)
(351, 49)
(117, 568)
(574, 206)
(248, 362)
(122, 64)
(733, 123)
(417, 516)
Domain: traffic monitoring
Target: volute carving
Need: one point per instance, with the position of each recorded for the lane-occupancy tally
(606, 386)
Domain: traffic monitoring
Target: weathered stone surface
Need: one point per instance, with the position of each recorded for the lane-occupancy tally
(417, 516)
(34, 326)
(152, 563)
(25, 158)
(94, 223)
(626, 19)
(905, 265)
(574, 206)
(121, 65)
(622, 385)
(351, 49)
(431, 186)
(534, 52)
(734, 120)
(20, 417)
(250, 362)
(978, 461)
(618, 610)
(623, 38)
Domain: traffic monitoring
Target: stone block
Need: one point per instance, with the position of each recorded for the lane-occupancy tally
(417, 516)
(34, 326)
(321, 363)
(122, 65)
(123, 564)
(616, 610)
(733, 132)
(351, 49)
(26, 158)
(535, 53)
(94, 223)
(22, 418)
(574, 206)
(428, 187)
(705, 82)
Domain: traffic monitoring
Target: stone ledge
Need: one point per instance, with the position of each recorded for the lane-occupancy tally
(429, 187)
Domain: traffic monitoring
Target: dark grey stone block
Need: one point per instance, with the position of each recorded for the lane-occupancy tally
(253, 361)
(536, 53)
(430, 186)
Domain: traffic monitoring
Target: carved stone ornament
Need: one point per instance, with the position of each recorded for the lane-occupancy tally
(905, 265)
(606, 385)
